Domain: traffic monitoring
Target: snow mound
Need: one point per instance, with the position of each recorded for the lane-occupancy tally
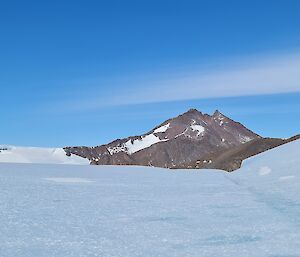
(38, 155)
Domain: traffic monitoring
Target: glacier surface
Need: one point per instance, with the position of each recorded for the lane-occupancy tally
(16, 154)
(78, 211)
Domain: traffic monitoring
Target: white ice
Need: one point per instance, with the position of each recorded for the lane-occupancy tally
(200, 129)
(88, 211)
(144, 142)
(38, 155)
(161, 129)
(136, 145)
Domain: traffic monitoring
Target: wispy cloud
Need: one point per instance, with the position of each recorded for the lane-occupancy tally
(255, 76)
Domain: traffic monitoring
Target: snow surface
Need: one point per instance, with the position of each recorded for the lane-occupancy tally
(84, 211)
(162, 129)
(133, 146)
(145, 142)
(38, 155)
(198, 128)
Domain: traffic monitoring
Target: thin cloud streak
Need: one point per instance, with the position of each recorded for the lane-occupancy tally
(264, 76)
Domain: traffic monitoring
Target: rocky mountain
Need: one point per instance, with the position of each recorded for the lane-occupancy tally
(191, 140)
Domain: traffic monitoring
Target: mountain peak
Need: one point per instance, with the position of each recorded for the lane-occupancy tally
(217, 113)
(181, 140)
(192, 111)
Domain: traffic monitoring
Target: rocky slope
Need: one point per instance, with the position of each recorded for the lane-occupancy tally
(232, 159)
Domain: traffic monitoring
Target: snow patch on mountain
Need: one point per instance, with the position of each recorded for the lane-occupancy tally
(198, 128)
(133, 146)
(244, 139)
(183, 133)
(145, 142)
(162, 129)
(117, 149)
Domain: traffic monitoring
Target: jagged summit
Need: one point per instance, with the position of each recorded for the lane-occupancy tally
(217, 113)
(191, 112)
(194, 111)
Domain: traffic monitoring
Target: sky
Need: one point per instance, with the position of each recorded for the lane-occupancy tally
(87, 72)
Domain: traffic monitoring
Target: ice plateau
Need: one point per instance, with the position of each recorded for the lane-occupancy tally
(125, 211)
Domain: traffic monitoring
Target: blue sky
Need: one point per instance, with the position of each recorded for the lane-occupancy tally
(87, 72)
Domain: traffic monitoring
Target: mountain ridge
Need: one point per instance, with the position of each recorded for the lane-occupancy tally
(175, 143)
(191, 140)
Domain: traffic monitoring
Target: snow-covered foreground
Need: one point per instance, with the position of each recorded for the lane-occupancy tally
(38, 155)
(64, 210)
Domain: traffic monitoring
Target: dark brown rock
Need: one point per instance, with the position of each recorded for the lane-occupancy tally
(191, 140)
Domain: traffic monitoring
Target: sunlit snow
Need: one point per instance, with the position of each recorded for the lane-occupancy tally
(69, 180)
(133, 146)
(161, 129)
(200, 129)
(38, 155)
(144, 142)
(72, 210)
